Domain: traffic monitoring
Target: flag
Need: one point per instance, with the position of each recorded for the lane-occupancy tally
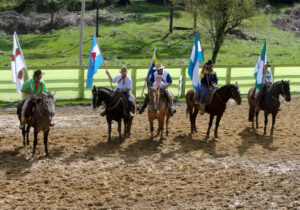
(151, 70)
(17, 64)
(259, 68)
(196, 57)
(95, 61)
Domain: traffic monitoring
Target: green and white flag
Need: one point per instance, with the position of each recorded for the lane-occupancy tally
(259, 68)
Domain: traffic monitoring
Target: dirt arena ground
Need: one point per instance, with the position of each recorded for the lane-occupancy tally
(240, 169)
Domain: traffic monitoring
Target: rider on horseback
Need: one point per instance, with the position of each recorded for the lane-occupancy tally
(123, 87)
(209, 79)
(266, 82)
(32, 89)
(166, 79)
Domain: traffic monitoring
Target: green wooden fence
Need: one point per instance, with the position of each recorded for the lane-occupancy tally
(69, 81)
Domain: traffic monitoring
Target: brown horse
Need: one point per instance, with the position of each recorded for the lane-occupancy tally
(216, 107)
(158, 109)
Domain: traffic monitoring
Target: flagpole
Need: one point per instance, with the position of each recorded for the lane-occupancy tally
(26, 69)
(148, 71)
(103, 62)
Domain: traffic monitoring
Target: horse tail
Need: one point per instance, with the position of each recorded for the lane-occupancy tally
(251, 114)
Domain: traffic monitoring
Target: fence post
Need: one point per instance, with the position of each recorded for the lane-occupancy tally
(133, 78)
(273, 72)
(228, 75)
(81, 83)
(183, 81)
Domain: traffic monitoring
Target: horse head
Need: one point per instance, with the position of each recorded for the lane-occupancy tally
(48, 103)
(285, 91)
(235, 91)
(154, 96)
(96, 101)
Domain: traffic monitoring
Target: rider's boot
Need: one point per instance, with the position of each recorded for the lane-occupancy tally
(202, 109)
(171, 109)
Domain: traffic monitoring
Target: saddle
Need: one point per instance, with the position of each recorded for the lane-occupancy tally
(210, 94)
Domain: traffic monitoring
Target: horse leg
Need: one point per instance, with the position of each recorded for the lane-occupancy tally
(23, 134)
(273, 122)
(35, 141)
(190, 109)
(217, 125)
(46, 141)
(161, 127)
(211, 118)
(119, 129)
(167, 124)
(151, 128)
(196, 110)
(129, 127)
(266, 122)
(27, 134)
(109, 131)
(251, 115)
(256, 116)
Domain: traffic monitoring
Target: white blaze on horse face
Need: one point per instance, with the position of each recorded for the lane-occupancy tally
(50, 103)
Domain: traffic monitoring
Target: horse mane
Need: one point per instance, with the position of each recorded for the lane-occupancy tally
(226, 86)
(106, 90)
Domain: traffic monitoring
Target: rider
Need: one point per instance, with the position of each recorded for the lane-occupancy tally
(208, 79)
(166, 78)
(124, 86)
(158, 82)
(267, 80)
(32, 89)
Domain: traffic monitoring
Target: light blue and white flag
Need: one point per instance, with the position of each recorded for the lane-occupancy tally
(196, 57)
(95, 62)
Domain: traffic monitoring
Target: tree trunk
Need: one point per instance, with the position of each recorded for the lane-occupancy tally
(218, 43)
(97, 19)
(171, 19)
(195, 20)
(52, 15)
(81, 32)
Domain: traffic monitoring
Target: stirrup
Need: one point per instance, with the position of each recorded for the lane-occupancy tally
(103, 113)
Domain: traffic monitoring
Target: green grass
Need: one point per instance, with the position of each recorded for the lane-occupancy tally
(132, 42)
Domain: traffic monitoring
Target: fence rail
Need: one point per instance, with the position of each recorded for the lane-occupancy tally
(69, 81)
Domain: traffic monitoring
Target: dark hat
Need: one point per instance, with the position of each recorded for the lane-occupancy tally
(267, 64)
(209, 62)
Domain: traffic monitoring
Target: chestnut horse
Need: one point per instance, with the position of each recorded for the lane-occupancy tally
(158, 109)
(216, 107)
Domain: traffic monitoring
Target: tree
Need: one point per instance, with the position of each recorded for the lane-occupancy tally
(221, 16)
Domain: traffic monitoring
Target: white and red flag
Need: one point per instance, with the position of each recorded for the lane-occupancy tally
(17, 64)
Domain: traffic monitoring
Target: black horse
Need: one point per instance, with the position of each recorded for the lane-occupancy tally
(115, 109)
(269, 103)
(215, 108)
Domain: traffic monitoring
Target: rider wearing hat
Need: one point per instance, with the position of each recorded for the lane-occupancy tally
(208, 79)
(32, 88)
(124, 85)
(267, 80)
(167, 80)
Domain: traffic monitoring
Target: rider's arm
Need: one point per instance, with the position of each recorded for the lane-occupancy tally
(202, 71)
(109, 77)
(27, 89)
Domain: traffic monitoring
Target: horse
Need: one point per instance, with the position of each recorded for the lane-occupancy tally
(40, 119)
(115, 109)
(158, 109)
(216, 107)
(269, 103)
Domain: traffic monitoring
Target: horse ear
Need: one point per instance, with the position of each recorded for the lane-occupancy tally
(94, 87)
(53, 94)
(236, 83)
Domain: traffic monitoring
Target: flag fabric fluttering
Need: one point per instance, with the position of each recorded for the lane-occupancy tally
(258, 71)
(196, 57)
(150, 75)
(95, 61)
(17, 64)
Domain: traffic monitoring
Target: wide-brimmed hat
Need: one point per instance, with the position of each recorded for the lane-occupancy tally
(209, 62)
(158, 66)
(123, 70)
(267, 64)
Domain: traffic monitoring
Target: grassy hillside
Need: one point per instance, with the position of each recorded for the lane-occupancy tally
(132, 42)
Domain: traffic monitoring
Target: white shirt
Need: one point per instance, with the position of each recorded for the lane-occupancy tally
(127, 84)
(268, 77)
(162, 84)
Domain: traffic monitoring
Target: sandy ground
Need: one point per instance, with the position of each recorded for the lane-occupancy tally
(240, 169)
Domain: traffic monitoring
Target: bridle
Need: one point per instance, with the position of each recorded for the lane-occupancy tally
(283, 94)
(220, 99)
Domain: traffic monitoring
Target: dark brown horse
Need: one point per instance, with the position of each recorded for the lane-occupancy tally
(215, 108)
(269, 103)
(40, 119)
(115, 109)
(158, 109)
